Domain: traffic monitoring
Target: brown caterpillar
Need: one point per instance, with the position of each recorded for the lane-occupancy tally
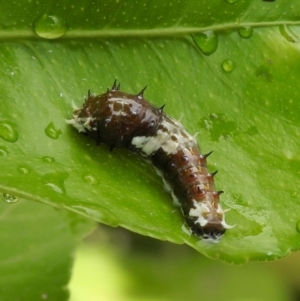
(119, 119)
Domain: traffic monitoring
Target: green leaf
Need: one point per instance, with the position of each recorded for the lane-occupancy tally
(36, 250)
(242, 99)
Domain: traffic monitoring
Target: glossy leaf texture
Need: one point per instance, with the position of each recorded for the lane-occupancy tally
(230, 69)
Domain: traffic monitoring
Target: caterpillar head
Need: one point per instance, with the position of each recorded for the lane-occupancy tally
(207, 222)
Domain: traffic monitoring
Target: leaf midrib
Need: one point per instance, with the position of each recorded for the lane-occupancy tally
(138, 33)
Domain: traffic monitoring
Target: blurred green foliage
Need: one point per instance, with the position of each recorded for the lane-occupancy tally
(114, 264)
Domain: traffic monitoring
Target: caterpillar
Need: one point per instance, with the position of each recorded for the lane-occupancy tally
(119, 119)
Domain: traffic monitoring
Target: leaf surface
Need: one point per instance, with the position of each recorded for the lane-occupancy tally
(242, 99)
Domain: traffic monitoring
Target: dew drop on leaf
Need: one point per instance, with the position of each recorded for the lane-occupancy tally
(245, 32)
(231, 1)
(49, 27)
(9, 198)
(294, 194)
(48, 159)
(90, 179)
(8, 131)
(287, 33)
(52, 132)
(206, 41)
(228, 65)
(55, 181)
(22, 169)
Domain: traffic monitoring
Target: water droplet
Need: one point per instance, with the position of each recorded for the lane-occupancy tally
(269, 253)
(50, 27)
(9, 198)
(8, 131)
(3, 151)
(206, 41)
(294, 194)
(55, 180)
(22, 169)
(245, 32)
(52, 132)
(48, 159)
(90, 179)
(298, 226)
(228, 65)
(231, 1)
(288, 34)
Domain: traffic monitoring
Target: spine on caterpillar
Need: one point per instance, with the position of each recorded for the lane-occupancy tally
(119, 119)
